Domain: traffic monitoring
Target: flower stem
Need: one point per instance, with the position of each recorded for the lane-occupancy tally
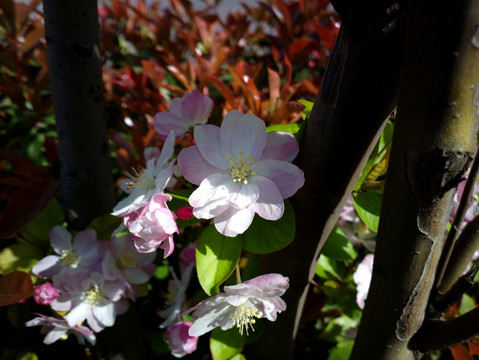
(238, 274)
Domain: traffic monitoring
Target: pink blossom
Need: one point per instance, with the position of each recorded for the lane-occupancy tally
(190, 110)
(241, 170)
(473, 208)
(153, 227)
(179, 341)
(93, 300)
(45, 293)
(240, 304)
(123, 262)
(75, 258)
(362, 279)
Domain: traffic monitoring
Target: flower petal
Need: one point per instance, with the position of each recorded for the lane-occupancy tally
(207, 139)
(280, 146)
(271, 284)
(270, 204)
(194, 166)
(242, 133)
(60, 239)
(232, 222)
(212, 196)
(220, 315)
(287, 177)
(246, 196)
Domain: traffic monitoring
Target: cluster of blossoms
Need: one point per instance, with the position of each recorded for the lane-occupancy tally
(240, 169)
(91, 280)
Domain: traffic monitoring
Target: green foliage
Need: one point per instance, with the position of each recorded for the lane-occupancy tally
(38, 229)
(216, 258)
(225, 344)
(338, 246)
(19, 256)
(264, 236)
(368, 207)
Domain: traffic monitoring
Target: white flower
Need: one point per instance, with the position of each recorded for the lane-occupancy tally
(92, 300)
(240, 305)
(362, 279)
(241, 170)
(144, 183)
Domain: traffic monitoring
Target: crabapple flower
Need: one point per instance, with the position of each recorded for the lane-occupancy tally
(240, 304)
(144, 183)
(153, 227)
(190, 110)
(362, 279)
(176, 296)
(45, 294)
(241, 170)
(179, 341)
(59, 329)
(123, 262)
(473, 208)
(75, 258)
(93, 300)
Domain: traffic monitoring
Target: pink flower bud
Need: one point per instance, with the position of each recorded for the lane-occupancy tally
(45, 294)
(185, 213)
(180, 342)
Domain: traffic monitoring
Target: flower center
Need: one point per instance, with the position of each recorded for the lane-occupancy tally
(140, 179)
(241, 167)
(126, 260)
(244, 317)
(69, 258)
(94, 297)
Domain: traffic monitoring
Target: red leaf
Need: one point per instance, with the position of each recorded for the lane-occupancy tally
(473, 346)
(460, 352)
(24, 204)
(15, 286)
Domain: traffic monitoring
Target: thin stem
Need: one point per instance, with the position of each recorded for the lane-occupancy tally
(458, 219)
(238, 274)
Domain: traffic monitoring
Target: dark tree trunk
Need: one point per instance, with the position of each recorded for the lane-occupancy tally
(72, 33)
(356, 97)
(434, 141)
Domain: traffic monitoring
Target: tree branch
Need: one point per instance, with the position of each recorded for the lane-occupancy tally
(439, 334)
(357, 95)
(75, 69)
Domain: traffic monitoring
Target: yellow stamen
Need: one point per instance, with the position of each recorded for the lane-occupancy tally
(244, 317)
(241, 167)
(69, 258)
(126, 260)
(140, 178)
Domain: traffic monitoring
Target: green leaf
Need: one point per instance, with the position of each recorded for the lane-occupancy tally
(180, 198)
(38, 229)
(308, 106)
(338, 246)
(216, 258)
(467, 304)
(289, 128)
(225, 344)
(368, 207)
(20, 256)
(265, 236)
(329, 269)
(330, 288)
(367, 168)
(342, 350)
(238, 357)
